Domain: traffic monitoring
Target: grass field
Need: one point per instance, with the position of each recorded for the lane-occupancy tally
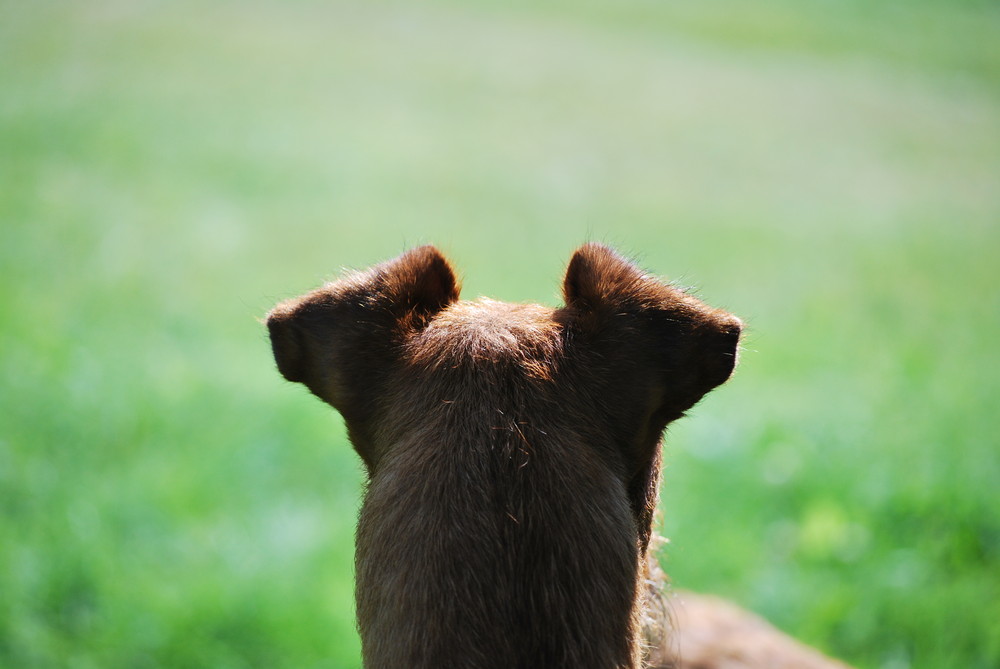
(828, 171)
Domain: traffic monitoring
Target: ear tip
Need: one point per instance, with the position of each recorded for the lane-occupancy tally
(595, 254)
(596, 246)
(285, 345)
(428, 258)
(594, 250)
(436, 262)
(280, 312)
(427, 252)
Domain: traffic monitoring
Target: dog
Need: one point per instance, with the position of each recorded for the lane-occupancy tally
(513, 456)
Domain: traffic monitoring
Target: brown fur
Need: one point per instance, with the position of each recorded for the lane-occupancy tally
(512, 452)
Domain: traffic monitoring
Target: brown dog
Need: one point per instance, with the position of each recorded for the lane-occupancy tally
(512, 452)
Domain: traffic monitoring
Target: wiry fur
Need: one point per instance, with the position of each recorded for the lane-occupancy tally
(512, 452)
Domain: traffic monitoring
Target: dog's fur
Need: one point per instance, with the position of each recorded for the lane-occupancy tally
(512, 452)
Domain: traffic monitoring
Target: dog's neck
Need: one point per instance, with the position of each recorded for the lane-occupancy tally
(505, 546)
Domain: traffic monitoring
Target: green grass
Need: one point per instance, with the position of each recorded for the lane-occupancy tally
(829, 171)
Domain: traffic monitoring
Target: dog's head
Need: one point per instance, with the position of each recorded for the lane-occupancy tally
(512, 451)
(626, 349)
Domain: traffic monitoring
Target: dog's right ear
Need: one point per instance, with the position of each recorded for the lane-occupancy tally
(600, 278)
(342, 340)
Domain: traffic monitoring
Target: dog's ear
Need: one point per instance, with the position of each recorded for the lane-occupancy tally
(420, 282)
(672, 343)
(649, 352)
(598, 278)
(343, 339)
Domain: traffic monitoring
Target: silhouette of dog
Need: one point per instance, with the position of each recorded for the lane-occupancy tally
(513, 461)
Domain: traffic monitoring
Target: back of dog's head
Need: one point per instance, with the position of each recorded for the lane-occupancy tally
(512, 451)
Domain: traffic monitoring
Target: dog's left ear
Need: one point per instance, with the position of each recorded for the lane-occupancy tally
(343, 340)
(421, 281)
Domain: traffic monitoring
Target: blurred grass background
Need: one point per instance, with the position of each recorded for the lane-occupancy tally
(829, 170)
